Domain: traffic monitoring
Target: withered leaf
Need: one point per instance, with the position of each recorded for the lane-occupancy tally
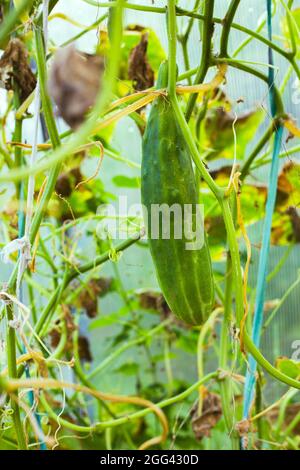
(221, 173)
(89, 303)
(102, 285)
(135, 27)
(63, 185)
(285, 187)
(84, 349)
(295, 221)
(66, 182)
(88, 297)
(139, 69)
(75, 80)
(291, 411)
(151, 300)
(243, 427)
(55, 334)
(211, 414)
(15, 71)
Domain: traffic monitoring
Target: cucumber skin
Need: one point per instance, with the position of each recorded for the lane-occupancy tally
(185, 277)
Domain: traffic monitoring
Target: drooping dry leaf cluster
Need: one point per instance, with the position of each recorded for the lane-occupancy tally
(15, 72)
(139, 69)
(74, 83)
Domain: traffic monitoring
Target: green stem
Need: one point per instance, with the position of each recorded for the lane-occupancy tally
(84, 31)
(129, 344)
(258, 74)
(247, 41)
(296, 67)
(227, 22)
(281, 263)
(53, 133)
(261, 360)
(12, 372)
(208, 31)
(183, 39)
(72, 274)
(217, 191)
(191, 14)
(51, 306)
(186, 59)
(206, 327)
(17, 136)
(259, 146)
(295, 421)
(172, 35)
(292, 32)
(102, 258)
(225, 384)
(263, 160)
(258, 407)
(32, 301)
(286, 54)
(98, 427)
(7, 158)
(191, 22)
(79, 371)
(168, 365)
(235, 259)
(130, 6)
(282, 300)
(39, 20)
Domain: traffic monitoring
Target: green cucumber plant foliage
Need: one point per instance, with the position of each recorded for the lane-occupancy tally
(136, 393)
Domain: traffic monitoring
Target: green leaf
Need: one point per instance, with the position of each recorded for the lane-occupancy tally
(130, 368)
(161, 357)
(187, 343)
(127, 182)
(285, 28)
(288, 367)
(105, 320)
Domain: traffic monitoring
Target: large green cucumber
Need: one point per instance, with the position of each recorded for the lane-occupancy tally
(185, 276)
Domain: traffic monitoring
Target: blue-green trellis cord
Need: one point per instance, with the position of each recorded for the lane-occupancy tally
(264, 254)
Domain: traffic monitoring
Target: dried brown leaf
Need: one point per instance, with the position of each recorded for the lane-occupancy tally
(88, 301)
(88, 298)
(15, 71)
(151, 300)
(211, 414)
(63, 185)
(291, 411)
(55, 333)
(139, 69)
(295, 220)
(243, 427)
(84, 349)
(74, 83)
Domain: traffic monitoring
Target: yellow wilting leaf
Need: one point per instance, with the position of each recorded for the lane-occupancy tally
(291, 126)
